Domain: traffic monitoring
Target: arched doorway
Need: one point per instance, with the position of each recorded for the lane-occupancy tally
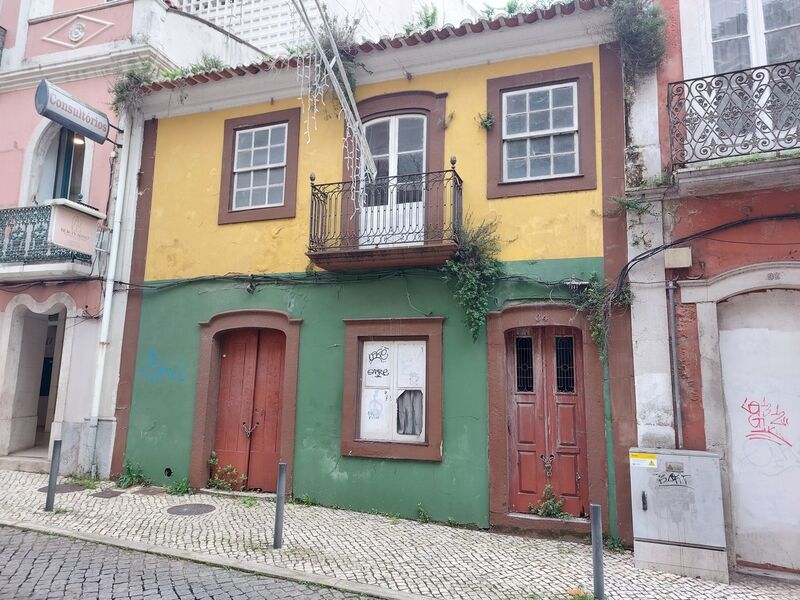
(247, 433)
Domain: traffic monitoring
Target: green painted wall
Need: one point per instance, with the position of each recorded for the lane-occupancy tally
(162, 411)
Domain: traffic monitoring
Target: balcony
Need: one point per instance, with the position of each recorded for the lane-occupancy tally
(52, 241)
(394, 222)
(735, 114)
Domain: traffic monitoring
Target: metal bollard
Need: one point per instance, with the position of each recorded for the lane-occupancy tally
(55, 461)
(277, 540)
(597, 551)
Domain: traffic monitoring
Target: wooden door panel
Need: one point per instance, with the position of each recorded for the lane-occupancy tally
(566, 424)
(266, 418)
(564, 474)
(239, 350)
(526, 423)
(529, 465)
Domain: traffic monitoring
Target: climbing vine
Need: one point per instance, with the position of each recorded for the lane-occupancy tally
(597, 301)
(638, 25)
(474, 271)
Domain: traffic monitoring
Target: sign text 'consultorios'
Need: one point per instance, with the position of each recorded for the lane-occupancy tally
(57, 105)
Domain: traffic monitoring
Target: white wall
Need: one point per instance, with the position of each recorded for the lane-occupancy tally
(29, 374)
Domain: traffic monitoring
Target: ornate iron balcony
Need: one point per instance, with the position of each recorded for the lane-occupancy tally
(735, 114)
(416, 215)
(23, 237)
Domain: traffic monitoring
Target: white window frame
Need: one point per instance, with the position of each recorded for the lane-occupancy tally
(549, 133)
(252, 169)
(392, 390)
(756, 32)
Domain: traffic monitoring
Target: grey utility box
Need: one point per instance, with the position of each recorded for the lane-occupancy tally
(678, 522)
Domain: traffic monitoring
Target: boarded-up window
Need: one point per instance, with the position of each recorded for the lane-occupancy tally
(393, 391)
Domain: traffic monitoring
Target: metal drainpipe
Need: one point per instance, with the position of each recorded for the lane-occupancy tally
(111, 274)
(673, 350)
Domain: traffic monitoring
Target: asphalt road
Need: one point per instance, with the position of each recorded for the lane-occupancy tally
(39, 566)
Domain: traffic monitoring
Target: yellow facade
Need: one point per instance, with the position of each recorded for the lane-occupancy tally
(186, 241)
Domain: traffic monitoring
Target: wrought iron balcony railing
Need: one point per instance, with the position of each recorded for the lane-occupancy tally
(734, 114)
(23, 237)
(422, 209)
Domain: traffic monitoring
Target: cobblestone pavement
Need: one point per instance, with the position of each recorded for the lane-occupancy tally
(425, 559)
(39, 567)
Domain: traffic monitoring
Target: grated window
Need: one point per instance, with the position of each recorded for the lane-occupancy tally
(524, 351)
(565, 364)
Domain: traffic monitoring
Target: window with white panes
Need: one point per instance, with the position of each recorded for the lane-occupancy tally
(393, 402)
(540, 132)
(751, 33)
(260, 167)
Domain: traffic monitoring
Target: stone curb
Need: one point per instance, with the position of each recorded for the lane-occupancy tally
(220, 561)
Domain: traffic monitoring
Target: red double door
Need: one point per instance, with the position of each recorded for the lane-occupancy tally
(546, 422)
(249, 405)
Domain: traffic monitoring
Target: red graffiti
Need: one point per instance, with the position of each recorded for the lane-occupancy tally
(765, 419)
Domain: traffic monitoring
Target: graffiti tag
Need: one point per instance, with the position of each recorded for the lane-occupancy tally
(378, 372)
(766, 421)
(381, 354)
(672, 479)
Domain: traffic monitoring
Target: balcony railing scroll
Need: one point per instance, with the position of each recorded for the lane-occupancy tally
(735, 114)
(23, 237)
(404, 210)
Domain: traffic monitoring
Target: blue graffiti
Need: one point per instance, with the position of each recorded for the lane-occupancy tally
(156, 370)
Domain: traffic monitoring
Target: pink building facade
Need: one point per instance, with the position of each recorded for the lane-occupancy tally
(60, 332)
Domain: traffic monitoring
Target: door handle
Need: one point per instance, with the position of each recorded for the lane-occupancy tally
(548, 465)
(644, 500)
(249, 431)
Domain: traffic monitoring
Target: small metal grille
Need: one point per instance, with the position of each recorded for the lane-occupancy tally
(565, 364)
(524, 350)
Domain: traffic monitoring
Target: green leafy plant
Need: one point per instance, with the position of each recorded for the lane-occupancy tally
(305, 500)
(426, 18)
(474, 271)
(596, 301)
(550, 505)
(485, 120)
(206, 64)
(126, 91)
(422, 514)
(213, 461)
(180, 488)
(248, 501)
(639, 27)
(85, 481)
(226, 478)
(131, 475)
(637, 206)
(613, 543)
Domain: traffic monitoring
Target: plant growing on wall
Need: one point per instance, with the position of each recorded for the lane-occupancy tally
(206, 64)
(550, 505)
(639, 27)
(425, 18)
(485, 120)
(474, 270)
(126, 91)
(597, 301)
(226, 478)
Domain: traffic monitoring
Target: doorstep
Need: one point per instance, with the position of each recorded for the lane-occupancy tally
(528, 523)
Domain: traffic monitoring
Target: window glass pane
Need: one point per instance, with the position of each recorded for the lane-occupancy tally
(780, 13)
(243, 180)
(540, 146)
(539, 100)
(517, 149)
(378, 137)
(540, 167)
(565, 364)
(783, 45)
(411, 364)
(731, 55)
(564, 143)
(516, 124)
(275, 195)
(277, 154)
(515, 103)
(539, 120)
(276, 175)
(241, 199)
(261, 138)
(524, 359)
(76, 174)
(410, 133)
(728, 18)
(410, 412)
(277, 135)
(244, 140)
(260, 157)
(382, 166)
(563, 164)
(260, 178)
(562, 96)
(563, 117)
(408, 164)
(243, 159)
(258, 197)
(516, 168)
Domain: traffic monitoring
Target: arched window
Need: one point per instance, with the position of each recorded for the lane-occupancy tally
(62, 167)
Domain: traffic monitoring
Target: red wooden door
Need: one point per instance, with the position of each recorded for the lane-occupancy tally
(248, 406)
(546, 424)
